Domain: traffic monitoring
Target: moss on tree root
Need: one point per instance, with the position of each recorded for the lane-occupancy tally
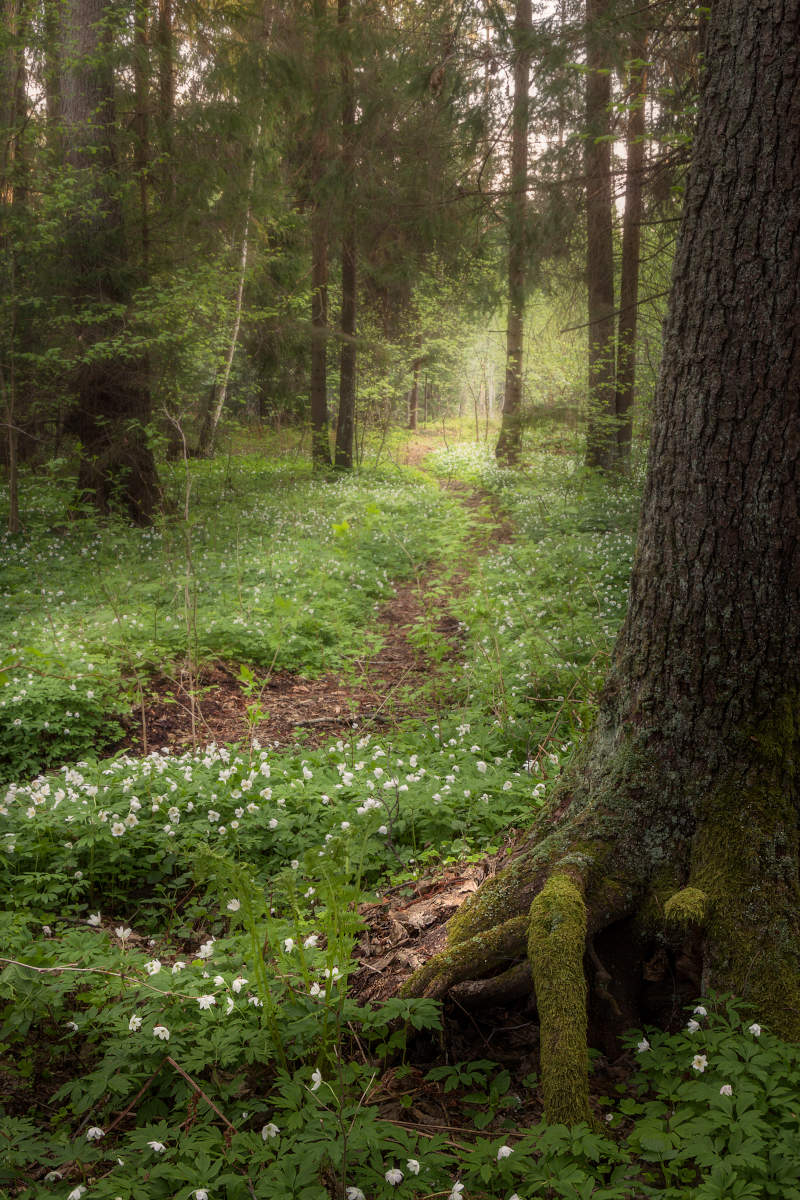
(634, 832)
(556, 942)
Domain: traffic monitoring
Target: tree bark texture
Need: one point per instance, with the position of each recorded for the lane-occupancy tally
(165, 47)
(510, 439)
(111, 405)
(601, 437)
(413, 395)
(677, 826)
(631, 242)
(12, 198)
(345, 423)
(320, 150)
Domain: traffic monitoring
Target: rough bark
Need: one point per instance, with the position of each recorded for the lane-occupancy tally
(679, 819)
(345, 422)
(111, 401)
(631, 242)
(601, 436)
(318, 388)
(510, 438)
(12, 120)
(165, 49)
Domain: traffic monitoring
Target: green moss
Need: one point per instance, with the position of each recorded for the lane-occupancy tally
(556, 943)
(471, 959)
(687, 908)
(745, 858)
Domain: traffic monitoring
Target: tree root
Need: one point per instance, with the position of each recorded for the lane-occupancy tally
(476, 956)
(551, 936)
(556, 942)
(512, 985)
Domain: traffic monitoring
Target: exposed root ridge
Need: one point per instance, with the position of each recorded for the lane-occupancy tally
(474, 957)
(687, 909)
(556, 944)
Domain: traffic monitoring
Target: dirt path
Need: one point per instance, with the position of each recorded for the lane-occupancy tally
(397, 683)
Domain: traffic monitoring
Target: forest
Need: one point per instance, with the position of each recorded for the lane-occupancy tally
(400, 578)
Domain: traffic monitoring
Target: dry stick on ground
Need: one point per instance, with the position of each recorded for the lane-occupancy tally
(200, 1092)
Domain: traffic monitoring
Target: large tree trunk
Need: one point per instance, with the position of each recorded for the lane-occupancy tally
(678, 824)
(12, 194)
(318, 390)
(111, 405)
(631, 241)
(345, 422)
(601, 436)
(510, 440)
(165, 48)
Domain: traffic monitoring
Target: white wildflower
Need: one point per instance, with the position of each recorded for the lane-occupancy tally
(393, 1176)
(699, 1063)
(270, 1131)
(94, 1133)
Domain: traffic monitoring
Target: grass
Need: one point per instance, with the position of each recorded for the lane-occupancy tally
(274, 568)
(178, 930)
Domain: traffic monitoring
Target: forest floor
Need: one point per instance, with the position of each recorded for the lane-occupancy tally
(209, 928)
(399, 682)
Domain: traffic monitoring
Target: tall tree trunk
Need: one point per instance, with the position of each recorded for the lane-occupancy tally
(510, 439)
(413, 395)
(141, 71)
(631, 241)
(51, 18)
(601, 437)
(678, 826)
(347, 354)
(320, 184)
(111, 406)
(165, 46)
(12, 202)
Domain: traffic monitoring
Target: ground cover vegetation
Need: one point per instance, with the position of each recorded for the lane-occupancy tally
(188, 923)
(330, 348)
